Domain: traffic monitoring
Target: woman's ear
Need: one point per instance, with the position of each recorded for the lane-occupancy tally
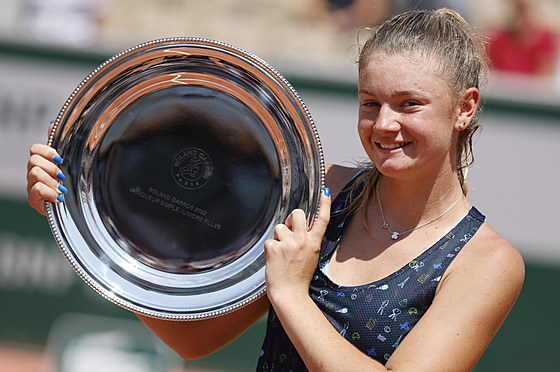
(467, 106)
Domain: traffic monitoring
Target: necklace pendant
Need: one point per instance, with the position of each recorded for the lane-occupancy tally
(395, 235)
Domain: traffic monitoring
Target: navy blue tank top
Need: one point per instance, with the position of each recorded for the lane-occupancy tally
(374, 317)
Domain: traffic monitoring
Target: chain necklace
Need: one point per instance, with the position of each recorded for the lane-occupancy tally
(395, 235)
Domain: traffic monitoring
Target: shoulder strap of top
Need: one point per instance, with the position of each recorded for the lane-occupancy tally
(339, 212)
(475, 213)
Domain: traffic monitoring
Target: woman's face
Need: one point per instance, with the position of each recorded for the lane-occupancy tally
(407, 115)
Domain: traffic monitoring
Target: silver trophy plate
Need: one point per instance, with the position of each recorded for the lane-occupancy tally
(181, 155)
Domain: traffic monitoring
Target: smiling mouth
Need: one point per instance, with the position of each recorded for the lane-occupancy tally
(391, 146)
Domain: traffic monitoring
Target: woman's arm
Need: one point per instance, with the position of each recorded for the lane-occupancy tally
(473, 299)
(196, 339)
(291, 261)
(321, 347)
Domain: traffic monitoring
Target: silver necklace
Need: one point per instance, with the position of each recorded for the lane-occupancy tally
(395, 235)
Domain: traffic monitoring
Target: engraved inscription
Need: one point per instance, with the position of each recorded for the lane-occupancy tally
(192, 168)
(176, 205)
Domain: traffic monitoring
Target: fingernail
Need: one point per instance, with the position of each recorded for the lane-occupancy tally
(61, 176)
(57, 159)
(327, 191)
(60, 198)
(62, 189)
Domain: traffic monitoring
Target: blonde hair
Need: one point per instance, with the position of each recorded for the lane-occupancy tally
(443, 36)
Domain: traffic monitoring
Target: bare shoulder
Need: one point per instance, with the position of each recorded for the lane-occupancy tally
(473, 299)
(492, 249)
(337, 176)
(491, 260)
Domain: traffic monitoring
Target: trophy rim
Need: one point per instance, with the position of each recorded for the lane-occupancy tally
(61, 219)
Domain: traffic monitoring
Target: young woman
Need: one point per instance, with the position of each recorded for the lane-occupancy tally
(399, 272)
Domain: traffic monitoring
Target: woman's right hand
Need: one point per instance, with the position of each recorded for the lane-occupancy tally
(43, 176)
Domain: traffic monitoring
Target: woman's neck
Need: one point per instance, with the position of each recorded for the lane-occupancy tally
(407, 204)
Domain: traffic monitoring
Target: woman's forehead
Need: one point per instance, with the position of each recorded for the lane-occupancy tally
(414, 59)
(399, 75)
(399, 69)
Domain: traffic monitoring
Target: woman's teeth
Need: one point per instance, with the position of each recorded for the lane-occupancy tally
(391, 146)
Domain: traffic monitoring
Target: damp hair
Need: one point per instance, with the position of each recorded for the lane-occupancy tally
(445, 37)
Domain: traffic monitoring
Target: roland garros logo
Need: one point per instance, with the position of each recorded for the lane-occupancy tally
(192, 168)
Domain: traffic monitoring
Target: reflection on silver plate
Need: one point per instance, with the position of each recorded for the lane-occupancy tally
(181, 156)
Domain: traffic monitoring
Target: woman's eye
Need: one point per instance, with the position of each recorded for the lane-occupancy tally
(370, 104)
(410, 103)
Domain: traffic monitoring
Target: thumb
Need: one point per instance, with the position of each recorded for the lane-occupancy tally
(324, 215)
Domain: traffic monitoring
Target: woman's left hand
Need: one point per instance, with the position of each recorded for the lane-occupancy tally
(291, 257)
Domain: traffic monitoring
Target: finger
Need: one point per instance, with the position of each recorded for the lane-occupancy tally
(39, 193)
(47, 166)
(46, 152)
(324, 215)
(267, 245)
(278, 231)
(48, 177)
(298, 222)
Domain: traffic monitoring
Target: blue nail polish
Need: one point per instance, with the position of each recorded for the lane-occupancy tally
(61, 176)
(60, 198)
(57, 159)
(327, 191)
(62, 189)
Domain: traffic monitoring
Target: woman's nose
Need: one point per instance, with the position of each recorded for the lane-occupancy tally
(387, 120)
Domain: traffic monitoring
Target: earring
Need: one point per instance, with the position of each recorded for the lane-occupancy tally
(462, 126)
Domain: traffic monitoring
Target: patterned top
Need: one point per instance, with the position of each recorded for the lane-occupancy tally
(374, 317)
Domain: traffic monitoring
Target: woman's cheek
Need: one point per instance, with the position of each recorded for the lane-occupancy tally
(365, 131)
(365, 128)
